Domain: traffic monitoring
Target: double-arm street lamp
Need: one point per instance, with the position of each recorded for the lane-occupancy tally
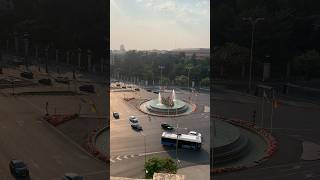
(253, 22)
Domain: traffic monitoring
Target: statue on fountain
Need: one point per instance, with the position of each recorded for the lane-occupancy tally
(168, 101)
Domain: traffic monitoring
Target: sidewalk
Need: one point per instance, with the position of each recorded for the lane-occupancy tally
(198, 172)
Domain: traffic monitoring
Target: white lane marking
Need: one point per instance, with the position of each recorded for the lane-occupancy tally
(132, 155)
(35, 164)
(32, 104)
(118, 158)
(206, 109)
(126, 156)
(111, 160)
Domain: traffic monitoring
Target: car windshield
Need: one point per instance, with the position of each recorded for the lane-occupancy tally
(19, 165)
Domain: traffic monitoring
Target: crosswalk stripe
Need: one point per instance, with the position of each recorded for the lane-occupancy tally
(118, 158)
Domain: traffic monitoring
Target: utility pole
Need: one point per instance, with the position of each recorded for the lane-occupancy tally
(253, 24)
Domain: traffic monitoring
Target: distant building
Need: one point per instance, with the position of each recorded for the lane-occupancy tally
(122, 49)
(116, 55)
(200, 53)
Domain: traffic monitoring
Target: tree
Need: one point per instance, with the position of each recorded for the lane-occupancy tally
(155, 165)
(307, 64)
(181, 80)
(205, 82)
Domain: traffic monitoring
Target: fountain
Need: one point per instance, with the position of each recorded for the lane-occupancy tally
(169, 105)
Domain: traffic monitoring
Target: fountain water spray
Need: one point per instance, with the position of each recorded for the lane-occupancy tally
(159, 99)
(173, 95)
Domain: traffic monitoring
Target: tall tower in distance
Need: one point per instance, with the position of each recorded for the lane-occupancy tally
(122, 48)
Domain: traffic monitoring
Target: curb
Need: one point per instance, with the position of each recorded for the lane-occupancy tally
(193, 106)
(91, 145)
(272, 145)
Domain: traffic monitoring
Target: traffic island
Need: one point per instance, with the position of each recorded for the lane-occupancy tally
(57, 119)
(94, 148)
(258, 140)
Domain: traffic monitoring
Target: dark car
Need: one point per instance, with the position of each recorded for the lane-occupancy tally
(123, 87)
(129, 87)
(87, 88)
(28, 75)
(137, 127)
(45, 81)
(118, 85)
(137, 89)
(116, 115)
(166, 126)
(72, 176)
(149, 90)
(156, 92)
(18, 168)
(64, 80)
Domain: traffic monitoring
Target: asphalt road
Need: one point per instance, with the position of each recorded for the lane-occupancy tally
(293, 124)
(47, 152)
(127, 145)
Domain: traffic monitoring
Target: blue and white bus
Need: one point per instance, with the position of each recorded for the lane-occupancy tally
(184, 140)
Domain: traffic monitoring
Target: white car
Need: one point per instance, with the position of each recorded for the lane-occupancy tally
(194, 133)
(133, 120)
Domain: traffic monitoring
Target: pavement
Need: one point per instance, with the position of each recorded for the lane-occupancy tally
(196, 172)
(48, 152)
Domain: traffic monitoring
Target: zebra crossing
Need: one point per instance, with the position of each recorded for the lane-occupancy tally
(115, 159)
(124, 157)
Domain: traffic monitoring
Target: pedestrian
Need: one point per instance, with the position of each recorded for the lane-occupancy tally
(254, 116)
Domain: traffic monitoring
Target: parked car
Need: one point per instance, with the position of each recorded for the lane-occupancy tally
(166, 126)
(124, 87)
(133, 120)
(137, 89)
(72, 176)
(149, 90)
(87, 88)
(129, 86)
(156, 92)
(194, 133)
(45, 81)
(116, 115)
(61, 79)
(118, 85)
(18, 168)
(137, 127)
(28, 75)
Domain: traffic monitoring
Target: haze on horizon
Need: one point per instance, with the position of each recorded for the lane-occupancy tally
(159, 24)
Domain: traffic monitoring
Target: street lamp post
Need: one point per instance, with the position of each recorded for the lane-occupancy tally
(188, 68)
(26, 41)
(161, 67)
(253, 24)
(47, 58)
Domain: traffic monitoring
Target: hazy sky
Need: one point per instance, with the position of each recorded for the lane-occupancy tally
(160, 24)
